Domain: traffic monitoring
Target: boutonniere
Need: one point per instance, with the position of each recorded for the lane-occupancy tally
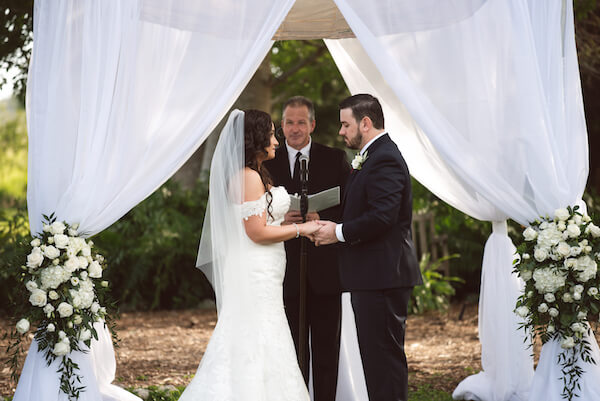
(358, 160)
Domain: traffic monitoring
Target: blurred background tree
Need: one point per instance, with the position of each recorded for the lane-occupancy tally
(152, 249)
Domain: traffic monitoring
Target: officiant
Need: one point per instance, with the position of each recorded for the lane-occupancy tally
(327, 168)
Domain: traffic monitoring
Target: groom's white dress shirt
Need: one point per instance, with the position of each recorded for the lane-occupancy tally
(338, 228)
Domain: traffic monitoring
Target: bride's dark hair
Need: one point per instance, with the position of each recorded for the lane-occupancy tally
(257, 136)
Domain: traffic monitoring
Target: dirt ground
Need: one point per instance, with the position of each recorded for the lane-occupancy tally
(164, 348)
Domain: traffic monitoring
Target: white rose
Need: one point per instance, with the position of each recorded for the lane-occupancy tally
(57, 228)
(77, 319)
(586, 268)
(51, 252)
(522, 311)
(53, 295)
(586, 218)
(567, 343)
(86, 251)
(578, 288)
(594, 230)
(95, 270)
(576, 250)
(526, 275)
(38, 298)
(583, 243)
(104, 283)
(578, 327)
(562, 214)
(103, 311)
(50, 240)
(23, 326)
(31, 285)
(61, 241)
(72, 264)
(592, 291)
(35, 258)
(75, 226)
(561, 226)
(540, 254)
(550, 329)
(83, 262)
(530, 234)
(64, 309)
(55, 262)
(526, 256)
(62, 335)
(582, 315)
(549, 297)
(61, 348)
(553, 312)
(567, 297)
(48, 309)
(51, 327)
(46, 228)
(587, 249)
(35, 242)
(563, 249)
(84, 275)
(543, 308)
(577, 296)
(70, 325)
(578, 219)
(72, 232)
(573, 230)
(530, 294)
(570, 263)
(95, 307)
(84, 334)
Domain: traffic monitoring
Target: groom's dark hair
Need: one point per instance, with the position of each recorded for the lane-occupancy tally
(364, 105)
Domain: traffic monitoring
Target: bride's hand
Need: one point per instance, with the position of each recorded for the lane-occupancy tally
(308, 228)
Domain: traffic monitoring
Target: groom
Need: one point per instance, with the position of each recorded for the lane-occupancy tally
(378, 263)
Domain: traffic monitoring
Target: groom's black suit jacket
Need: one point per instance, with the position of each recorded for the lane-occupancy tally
(377, 216)
(328, 168)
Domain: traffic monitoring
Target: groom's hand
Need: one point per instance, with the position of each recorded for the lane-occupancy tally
(326, 235)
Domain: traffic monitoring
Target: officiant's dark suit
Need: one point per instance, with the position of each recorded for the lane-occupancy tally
(328, 167)
(377, 262)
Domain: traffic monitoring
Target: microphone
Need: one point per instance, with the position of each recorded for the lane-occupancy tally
(303, 159)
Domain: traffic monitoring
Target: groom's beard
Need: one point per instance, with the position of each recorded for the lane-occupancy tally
(355, 142)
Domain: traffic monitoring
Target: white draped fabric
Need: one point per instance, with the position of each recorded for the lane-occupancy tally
(484, 100)
(120, 94)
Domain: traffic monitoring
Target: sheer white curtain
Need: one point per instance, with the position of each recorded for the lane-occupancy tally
(120, 94)
(484, 100)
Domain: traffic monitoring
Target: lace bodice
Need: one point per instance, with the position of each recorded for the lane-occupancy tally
(279, 206)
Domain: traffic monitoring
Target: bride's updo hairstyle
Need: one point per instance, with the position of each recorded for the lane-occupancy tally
(257, 136)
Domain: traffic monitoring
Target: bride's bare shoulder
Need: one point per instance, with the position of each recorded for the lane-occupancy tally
(253, 185)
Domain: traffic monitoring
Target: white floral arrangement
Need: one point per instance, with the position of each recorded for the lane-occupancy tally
(63, 280)
(358, 160)
(558, 260)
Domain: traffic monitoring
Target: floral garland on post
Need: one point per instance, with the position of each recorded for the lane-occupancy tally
(63, 277)
(558, 262)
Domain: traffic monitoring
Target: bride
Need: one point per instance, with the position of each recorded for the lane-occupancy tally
(251, 353)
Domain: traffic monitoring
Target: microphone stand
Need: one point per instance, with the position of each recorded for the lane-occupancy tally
(303, 326)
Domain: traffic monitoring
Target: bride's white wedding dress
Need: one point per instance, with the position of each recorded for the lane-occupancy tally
(251, 354)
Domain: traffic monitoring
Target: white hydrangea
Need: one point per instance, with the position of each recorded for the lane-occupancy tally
(548, 280)
(549, 237)
(54, 276)
(586, 268)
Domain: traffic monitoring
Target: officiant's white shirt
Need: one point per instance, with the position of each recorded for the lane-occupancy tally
(338, 228)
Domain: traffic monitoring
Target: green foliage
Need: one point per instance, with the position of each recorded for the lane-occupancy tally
(427, 393)
(466, 237)
(13, 158)
(151, 251)
(158, 393)
(436, 290)
(305, 67)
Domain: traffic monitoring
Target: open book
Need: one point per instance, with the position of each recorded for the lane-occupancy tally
(319, 201)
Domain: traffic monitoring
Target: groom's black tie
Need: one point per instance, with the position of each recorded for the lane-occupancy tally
(296, 175)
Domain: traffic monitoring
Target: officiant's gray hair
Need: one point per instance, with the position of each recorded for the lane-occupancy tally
(364, 105)
(299, 101)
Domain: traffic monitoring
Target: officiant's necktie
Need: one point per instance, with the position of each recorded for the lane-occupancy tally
(296, 175)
